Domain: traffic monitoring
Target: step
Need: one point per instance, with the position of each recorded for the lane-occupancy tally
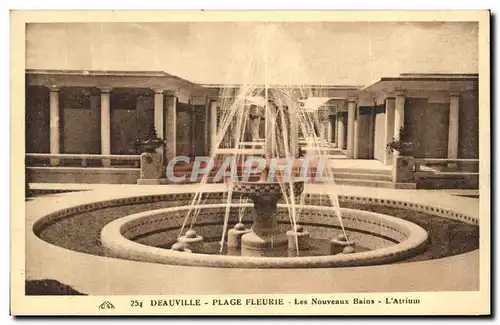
(363, 176)
(332, 154)
(367, 171)
(371, 183)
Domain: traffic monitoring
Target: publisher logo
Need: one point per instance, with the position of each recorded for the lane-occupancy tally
(106, 305)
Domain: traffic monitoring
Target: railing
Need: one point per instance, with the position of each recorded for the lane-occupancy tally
(105, 160)
(240, 151)
(448, 166)
(256, 144)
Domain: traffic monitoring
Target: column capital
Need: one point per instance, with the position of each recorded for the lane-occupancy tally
(182, 95)
(158, 91)
(389, 94)
(454, 93)
(352, 99)
(400, 92)
(198, 100)
(54, 88)
(105, 90)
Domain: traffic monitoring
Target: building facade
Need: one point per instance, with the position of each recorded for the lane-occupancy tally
(104, 112)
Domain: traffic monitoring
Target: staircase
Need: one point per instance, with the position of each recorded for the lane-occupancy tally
(355, 176)
(368, 177)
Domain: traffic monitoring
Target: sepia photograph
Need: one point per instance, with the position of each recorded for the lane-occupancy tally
(246, 163)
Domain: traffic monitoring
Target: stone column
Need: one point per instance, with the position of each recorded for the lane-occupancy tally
(255, 127)
(351, 118)
(213, 126)
(340, 131)
(390, 104)
(235, 133)
(329, 130)
(159, 112)
(356, 134)
(55, 141)
(399, 113)
(254, 120)
(207, 140)
(335, 131)
(294, 130)
(270, 117)
(194, 128)
(453, 126)
(371, 130)
(323, 116)
(322, 129)
(171, 127)
(105, 124)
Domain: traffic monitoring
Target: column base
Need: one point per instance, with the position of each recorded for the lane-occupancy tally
(152, 181)
(55, 162)
(272, 245)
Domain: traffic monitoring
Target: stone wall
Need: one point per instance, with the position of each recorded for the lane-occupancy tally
(83, 175)
(427, 124)
(184, 129)
(81, 123)
(199, 137)
(37, 119)
(364, 145)
(468, 136)
(131, 117)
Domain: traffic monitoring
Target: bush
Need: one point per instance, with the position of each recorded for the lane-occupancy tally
(48, 287)
(403, 145)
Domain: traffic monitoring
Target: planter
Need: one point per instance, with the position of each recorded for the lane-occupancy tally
(150, 143)
(403, 168)
(149, 146)
(152, 170)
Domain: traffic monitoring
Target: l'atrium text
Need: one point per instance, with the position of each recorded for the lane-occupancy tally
(356, 301)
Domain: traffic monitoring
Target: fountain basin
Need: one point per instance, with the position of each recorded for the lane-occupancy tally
(390, 239)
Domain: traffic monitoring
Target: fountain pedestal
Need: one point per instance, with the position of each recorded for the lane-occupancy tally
(265, 238)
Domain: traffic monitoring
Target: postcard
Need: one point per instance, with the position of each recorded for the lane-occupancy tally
(250, 163)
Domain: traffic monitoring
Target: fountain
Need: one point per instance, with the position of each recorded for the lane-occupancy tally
(261, 221)
(265, 237)
(263, 216)
(286, 226)
(283, 117)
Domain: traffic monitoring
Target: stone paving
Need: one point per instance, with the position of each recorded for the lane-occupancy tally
(113, 276)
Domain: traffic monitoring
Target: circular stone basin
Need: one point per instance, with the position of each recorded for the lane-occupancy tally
(389, 239)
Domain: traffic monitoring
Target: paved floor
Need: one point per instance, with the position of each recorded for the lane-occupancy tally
(101, 276)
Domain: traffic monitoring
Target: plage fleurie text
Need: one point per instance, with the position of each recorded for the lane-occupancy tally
(281, 302)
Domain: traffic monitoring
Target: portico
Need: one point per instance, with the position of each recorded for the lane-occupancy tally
(103, 113)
